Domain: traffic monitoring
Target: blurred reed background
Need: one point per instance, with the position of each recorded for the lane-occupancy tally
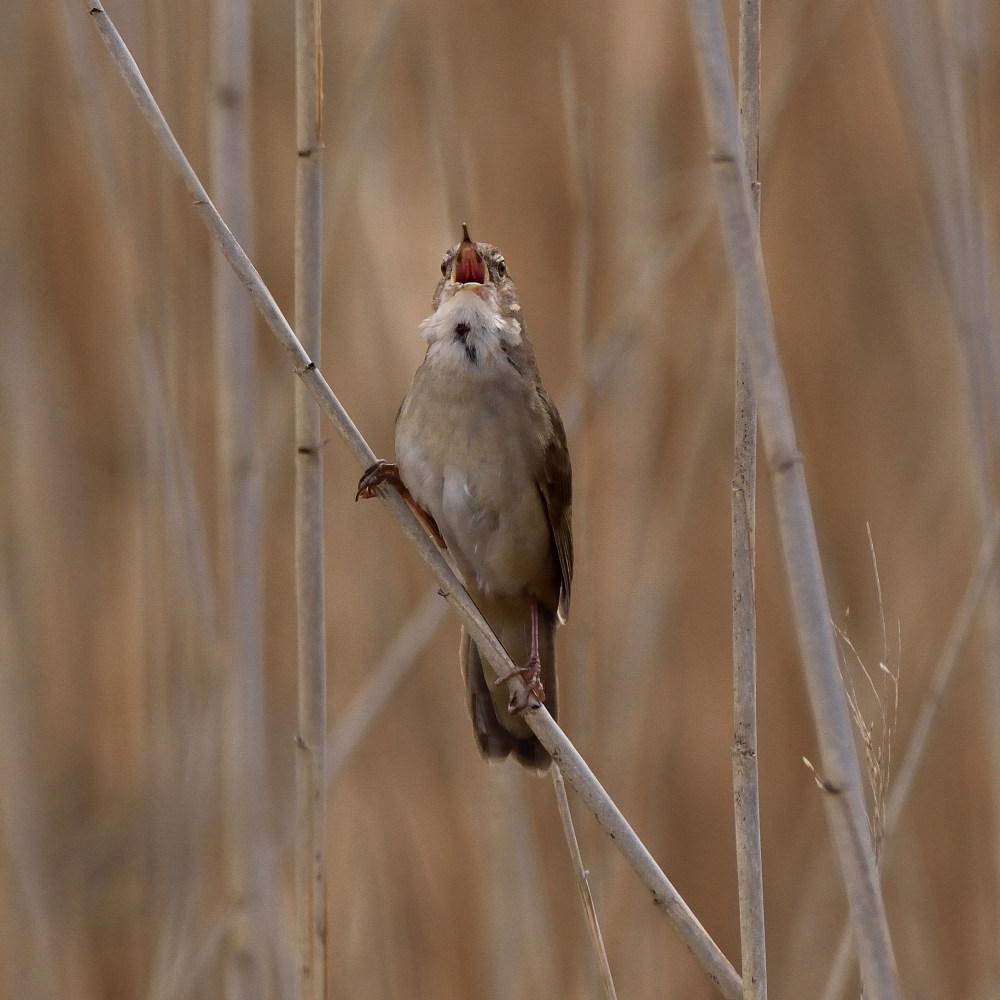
(571, 137)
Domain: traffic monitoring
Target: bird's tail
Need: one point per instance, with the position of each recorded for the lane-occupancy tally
(499, 733)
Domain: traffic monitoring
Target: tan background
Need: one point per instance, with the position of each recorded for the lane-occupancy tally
(448, 878)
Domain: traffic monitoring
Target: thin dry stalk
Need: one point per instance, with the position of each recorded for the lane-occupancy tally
(239, 517)
(845, 806)
(746, 788)
(310, 766)
(876, 736)
(596, 939)
(564, 754)
(843, 965)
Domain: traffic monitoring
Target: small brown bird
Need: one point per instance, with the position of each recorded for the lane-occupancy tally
(481, 455)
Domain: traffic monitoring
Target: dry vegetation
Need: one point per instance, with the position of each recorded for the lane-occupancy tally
(449, 878)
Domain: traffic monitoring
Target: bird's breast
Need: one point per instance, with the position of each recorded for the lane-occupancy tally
(470, 454)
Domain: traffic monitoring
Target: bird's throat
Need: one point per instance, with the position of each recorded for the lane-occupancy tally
(470, 328)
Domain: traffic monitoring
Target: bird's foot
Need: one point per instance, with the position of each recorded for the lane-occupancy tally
(387, 472)
(375, 475)
(531, 674)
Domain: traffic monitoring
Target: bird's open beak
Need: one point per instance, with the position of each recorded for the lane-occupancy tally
(469, 266)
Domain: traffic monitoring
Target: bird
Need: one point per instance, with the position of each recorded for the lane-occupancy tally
(482, 458)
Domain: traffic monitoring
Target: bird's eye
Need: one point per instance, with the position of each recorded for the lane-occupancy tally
(444, 265)
(501, 266)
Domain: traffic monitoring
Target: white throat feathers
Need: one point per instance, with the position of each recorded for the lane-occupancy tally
(469, 328)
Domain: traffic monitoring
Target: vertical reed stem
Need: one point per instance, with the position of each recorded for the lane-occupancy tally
(746, 790)
(845, 803)
(310, 783)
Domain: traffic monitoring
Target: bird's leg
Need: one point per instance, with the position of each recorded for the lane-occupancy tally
(530, 673)
(387, 472)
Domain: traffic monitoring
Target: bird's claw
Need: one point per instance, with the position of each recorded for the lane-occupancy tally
(374, 476)
(531, 674)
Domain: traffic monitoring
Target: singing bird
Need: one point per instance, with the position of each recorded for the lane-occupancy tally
(481, 455)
